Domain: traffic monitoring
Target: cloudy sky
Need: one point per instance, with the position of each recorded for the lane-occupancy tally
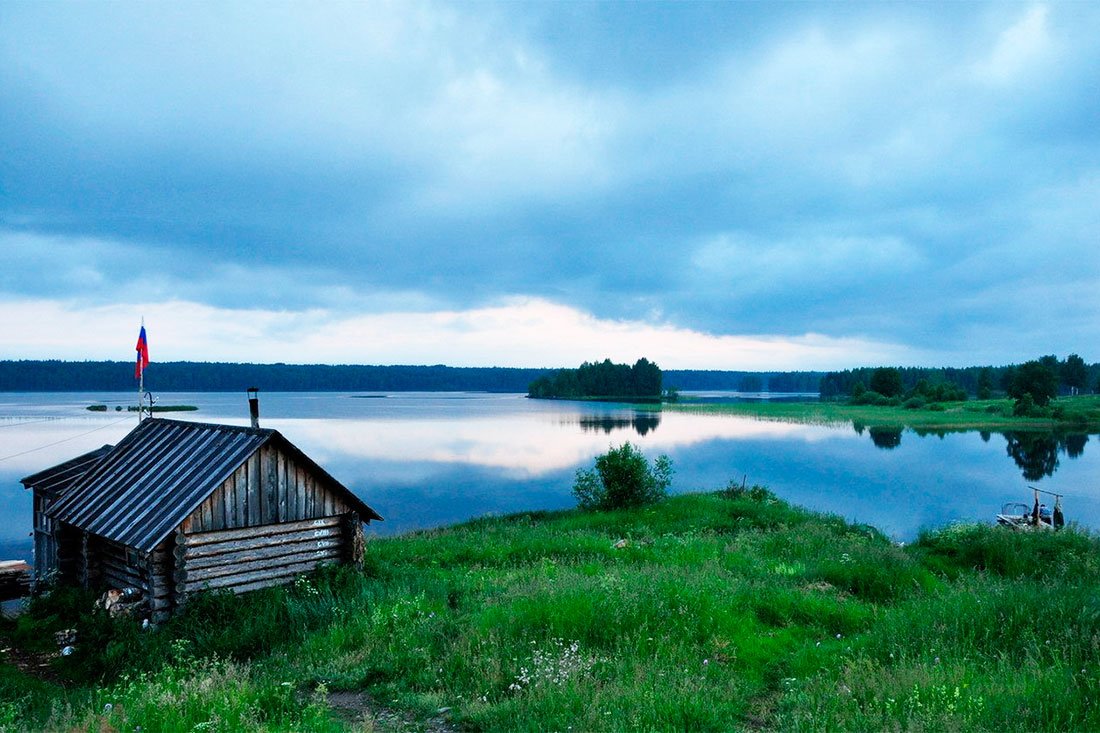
(741, 186)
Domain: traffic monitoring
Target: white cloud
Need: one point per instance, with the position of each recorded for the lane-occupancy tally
(1018, 49)
(522, 332)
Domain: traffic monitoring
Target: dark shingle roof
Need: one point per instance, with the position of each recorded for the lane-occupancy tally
(142, 489)
(56, 480)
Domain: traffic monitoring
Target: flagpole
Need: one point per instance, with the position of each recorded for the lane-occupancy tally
(141, 381)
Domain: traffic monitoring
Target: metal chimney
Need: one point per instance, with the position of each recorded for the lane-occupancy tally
(254, 405)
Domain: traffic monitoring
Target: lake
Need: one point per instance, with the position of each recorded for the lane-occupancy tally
(429, 459)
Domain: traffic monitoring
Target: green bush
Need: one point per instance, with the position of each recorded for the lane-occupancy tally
(756, 492)
(913, 403)
(870, 397)
(622, 478)
(1026, 406)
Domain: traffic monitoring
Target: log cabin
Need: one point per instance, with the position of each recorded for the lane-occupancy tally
(180, 507)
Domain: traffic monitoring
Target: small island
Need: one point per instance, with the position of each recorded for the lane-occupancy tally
(155, 408)
(603, 381)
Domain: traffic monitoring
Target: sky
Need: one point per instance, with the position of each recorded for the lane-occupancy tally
(759, 186)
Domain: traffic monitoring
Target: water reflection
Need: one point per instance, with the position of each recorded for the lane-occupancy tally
(1035, 453)
(885, 437)
(642, 423)
(1075, 445)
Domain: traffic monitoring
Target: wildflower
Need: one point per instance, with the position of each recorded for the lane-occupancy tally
(838, 636)
(936, 660)
(108, 708)
(706, 662)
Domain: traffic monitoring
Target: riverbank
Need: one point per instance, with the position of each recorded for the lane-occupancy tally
(707, 612)
(1072, 413)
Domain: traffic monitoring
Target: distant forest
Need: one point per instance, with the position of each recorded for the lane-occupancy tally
(980, 381)
(191, 376)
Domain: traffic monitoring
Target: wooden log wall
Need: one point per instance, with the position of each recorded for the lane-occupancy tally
(117, 566)
(160, 567)
(267, 489)
(45, 541)
(68, 554)
(249, 558)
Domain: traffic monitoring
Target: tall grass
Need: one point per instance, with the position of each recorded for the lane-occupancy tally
(715, 612)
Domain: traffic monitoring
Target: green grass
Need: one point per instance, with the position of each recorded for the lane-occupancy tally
(724, 611)
(1069, 412)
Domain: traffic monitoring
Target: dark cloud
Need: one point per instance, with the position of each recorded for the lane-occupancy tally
(908, 174)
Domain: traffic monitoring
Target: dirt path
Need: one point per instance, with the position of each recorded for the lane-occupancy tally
(33, 664)
(359, 709)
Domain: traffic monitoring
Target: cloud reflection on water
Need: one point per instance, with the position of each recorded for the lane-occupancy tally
(523, 445)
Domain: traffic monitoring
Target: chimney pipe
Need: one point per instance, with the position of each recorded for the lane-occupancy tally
(254, 405)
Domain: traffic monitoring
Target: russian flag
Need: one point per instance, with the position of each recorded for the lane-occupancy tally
(142, 353)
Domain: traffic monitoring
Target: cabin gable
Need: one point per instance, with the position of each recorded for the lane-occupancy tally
(271, 487)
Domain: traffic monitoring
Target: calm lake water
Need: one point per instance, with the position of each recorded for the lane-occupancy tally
(428, 459)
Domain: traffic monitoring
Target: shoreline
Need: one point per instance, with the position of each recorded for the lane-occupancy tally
(970, 415)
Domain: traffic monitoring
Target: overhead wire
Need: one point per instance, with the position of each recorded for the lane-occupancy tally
(65, 440)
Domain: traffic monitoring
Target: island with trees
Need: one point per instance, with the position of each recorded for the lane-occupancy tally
(601, 381)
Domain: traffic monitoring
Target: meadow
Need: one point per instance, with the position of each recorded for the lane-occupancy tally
(1079, 413)
(724, 611)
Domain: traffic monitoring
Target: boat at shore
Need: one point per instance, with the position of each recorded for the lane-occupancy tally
(1037, 516)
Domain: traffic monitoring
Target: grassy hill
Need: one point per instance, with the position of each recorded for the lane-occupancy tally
(722, 611)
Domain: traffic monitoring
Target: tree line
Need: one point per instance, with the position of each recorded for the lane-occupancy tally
(1044, 378)
(54, 375)
(189, 376)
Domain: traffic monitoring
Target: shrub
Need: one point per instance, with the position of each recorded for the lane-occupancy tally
(913, 403)
(870, 397)
(622, 478)
(1026, 406)
(756, 492)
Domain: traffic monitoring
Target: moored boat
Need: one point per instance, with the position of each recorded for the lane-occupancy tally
(1018, 515)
